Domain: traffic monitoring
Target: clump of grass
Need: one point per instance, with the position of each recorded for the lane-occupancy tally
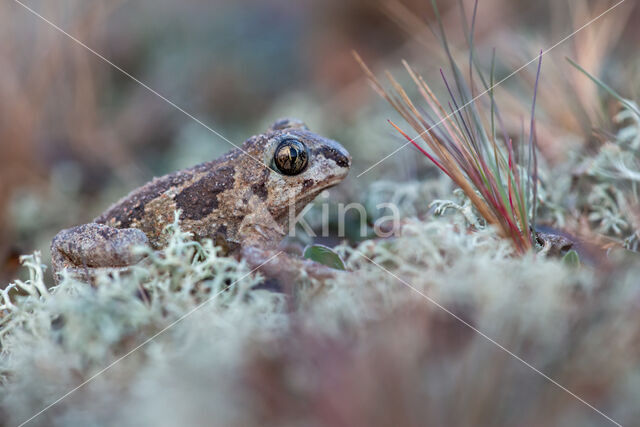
(497, 174)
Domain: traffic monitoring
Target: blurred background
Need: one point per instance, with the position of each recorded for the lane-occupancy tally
(76, 134)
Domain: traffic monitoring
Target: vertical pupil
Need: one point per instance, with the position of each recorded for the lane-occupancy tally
(289, 154)
(291, 157)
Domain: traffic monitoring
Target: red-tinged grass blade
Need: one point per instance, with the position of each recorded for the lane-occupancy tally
(422, 150)
(510, 188)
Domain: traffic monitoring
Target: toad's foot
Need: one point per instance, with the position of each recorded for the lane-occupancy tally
(86, 249)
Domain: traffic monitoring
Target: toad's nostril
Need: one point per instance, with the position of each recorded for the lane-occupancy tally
(337, 154)
(345, 160)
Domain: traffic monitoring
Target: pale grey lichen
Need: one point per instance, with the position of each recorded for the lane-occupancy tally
(601, 187)
(614, 199)
(463, 206)
(255, 357)
(53, 338)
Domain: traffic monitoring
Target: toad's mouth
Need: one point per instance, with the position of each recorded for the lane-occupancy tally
(296, 207)
(331, 181)
(326, 183)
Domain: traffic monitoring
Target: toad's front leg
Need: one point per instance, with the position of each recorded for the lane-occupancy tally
(90, 247)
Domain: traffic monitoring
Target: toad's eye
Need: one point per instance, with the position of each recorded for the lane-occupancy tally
(291, 157)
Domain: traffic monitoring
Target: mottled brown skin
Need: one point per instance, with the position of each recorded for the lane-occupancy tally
(553, 243)
(240, 199)
(557, 243)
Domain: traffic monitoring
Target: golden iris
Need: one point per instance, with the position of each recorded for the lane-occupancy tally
(291, 157)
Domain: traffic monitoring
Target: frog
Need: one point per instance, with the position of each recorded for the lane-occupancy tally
(244, 201)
